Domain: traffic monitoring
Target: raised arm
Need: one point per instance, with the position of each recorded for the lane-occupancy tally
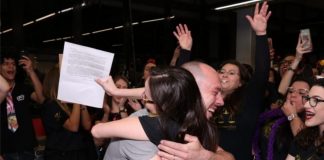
(85, 118)
(176, 54)
(73, 122)
(37, 95)
(183, 35)
(109, 86)
(128, 128)
(257, 84)
(4, 88)
(287, 77)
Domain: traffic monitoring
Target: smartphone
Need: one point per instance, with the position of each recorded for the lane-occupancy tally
(306, 37)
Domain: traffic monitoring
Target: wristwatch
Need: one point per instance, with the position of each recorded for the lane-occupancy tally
(291, 116)
(291, 69)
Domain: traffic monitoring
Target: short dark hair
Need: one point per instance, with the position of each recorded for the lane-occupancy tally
(8, 55)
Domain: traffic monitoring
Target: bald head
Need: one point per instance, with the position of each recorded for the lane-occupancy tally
(199, 70)
(208, 83)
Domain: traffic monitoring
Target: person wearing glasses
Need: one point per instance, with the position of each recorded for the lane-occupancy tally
(174, 93)
(291, 65)
(309, 143)
(276, 128)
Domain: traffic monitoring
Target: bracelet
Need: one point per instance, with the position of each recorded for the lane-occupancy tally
(291, 116)
(291, 69)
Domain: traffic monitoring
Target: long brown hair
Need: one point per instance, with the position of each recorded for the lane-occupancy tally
(50, 88)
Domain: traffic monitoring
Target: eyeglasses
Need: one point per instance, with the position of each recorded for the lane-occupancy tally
(231, 72)
(312, 100)
(146, 100)
(301, 92)
(286, 62)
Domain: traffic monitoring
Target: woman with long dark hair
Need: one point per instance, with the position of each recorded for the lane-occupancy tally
(175, 95)
(309, 143)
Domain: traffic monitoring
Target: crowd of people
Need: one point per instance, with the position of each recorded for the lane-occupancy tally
(185, 111)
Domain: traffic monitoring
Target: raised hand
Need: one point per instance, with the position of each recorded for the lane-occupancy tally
(260, 19)
(26, 63)
(183, 34)
(108, 85)
(301, 48)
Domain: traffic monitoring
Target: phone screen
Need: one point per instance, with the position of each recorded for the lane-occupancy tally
(306, 37)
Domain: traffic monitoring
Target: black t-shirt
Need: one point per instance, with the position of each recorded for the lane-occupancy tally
(304, 154)
(236, 131)
(152, 128)
(59, 138)
(24, 138)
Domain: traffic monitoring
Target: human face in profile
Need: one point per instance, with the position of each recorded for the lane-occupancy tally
(210, 89)
(314, 107)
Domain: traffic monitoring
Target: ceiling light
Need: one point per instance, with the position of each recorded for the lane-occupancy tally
(50, 40)
(67, 37)
(85, 34)
(6, 31)
(117, 27)
(153, 20)
(66, 10)
(45, 17)
(28, 23)
(236, 5)
(102, 30)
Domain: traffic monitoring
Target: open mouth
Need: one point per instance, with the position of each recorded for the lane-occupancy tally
(211, 110)
(309, 115)
(223, 81)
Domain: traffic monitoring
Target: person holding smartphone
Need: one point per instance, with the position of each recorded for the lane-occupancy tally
(17, 133)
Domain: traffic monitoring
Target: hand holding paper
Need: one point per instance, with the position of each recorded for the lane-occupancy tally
(80, 66)
(108, 85)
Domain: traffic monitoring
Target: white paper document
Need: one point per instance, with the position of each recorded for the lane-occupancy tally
(80, 67)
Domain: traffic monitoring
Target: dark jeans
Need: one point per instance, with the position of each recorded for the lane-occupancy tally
(25, 155)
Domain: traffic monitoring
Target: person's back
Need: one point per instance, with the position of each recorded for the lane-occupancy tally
(124, 149)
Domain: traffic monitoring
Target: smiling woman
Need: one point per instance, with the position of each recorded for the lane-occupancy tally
(309, 143)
